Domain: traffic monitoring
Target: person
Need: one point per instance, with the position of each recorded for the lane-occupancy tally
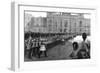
(84, 51)
(84, 36)
(29, 49)
(88, 45)
(73, 55)
(63, 41)
(82, 54)
(42, 50)
(33, 48)
(25, 47)
(37, 47)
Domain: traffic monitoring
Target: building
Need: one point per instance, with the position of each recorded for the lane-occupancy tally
(27, 21)
(38, 25)
(59, 22)
(67, 23)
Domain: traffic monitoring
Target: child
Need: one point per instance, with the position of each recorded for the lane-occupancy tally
(73, 55)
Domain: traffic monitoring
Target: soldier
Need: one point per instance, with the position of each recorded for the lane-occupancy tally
(42, 50)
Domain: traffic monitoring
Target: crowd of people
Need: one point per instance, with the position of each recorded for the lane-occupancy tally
(37, 48)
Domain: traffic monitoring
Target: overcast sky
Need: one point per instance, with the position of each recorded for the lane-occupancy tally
(44, 14)
(38, 14)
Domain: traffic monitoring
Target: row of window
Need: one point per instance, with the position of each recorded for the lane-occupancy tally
(65, 23)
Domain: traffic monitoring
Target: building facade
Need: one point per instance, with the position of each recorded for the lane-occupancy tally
(27, 20)
(37, 25)
(58, 22)
(67, 23)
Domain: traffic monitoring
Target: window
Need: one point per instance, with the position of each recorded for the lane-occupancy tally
(61, 24)
(65, 30)
(80, 24)
(50, 27)
(80, 30)
(66, 24)
(37, 25)
(50, 21)
(44, 22)
(60, 30)
(75, 24)
(55, 25)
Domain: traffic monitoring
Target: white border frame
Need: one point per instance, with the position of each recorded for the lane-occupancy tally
(17, 59)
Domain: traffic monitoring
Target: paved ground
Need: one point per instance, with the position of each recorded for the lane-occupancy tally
(58, 52)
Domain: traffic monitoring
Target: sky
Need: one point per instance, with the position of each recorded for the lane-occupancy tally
(38, 14)
(44, 14)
